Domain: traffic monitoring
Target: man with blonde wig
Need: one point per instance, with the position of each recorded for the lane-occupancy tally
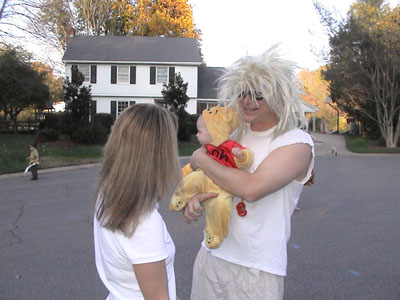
(252, 260)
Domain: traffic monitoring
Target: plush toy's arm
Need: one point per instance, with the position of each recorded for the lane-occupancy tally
(186, 170)
(246, 160)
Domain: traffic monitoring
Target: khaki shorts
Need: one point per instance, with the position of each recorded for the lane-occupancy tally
(217, 279)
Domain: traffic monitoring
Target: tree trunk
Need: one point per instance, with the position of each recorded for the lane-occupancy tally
(15, 126)
(397, 131)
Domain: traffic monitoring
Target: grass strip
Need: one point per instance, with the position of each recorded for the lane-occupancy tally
(14, 149)
(359, 144)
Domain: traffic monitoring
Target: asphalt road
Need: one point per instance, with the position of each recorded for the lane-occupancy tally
(345, 240)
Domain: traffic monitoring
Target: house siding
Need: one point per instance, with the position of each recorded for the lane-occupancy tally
(103, 91)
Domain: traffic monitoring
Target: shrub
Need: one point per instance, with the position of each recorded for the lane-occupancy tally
(48, 135)
(103, 120)
(90, 135)
(187, 126)
(53, 121)
(193, 126)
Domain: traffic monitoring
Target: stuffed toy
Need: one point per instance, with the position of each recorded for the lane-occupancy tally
(220, 122)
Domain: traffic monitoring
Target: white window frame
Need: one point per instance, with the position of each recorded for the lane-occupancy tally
(121, 106)
(121, 77)
(160, 77)
(208, 104)
(85, 73)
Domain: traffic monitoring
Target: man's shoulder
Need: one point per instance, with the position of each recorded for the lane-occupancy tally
(294, 136)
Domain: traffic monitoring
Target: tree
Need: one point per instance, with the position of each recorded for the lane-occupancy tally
(93, 15)
(77, 99)
(13, 15)
(163, 17)
(174, 94)
(52, 23)
(364, 67)
(21, 86)
(316, 89)
(122, 13)
(54, 83)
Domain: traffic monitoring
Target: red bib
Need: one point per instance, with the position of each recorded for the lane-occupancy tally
(223, 153)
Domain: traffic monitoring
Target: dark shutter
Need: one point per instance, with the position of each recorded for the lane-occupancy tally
(74, 69)
(171, 74)
(132, 103)
(93, 109)
(133, 75)
(93, 74)
(114, 109)
(199, 108)
(152, 75)
(113, 74)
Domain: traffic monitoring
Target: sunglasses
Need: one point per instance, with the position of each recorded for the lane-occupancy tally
(257, 95)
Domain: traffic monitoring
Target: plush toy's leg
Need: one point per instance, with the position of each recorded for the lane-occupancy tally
(218, 212)
(190, 185)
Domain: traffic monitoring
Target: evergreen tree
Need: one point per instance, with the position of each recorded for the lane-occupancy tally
(77, 99)
(174, 94)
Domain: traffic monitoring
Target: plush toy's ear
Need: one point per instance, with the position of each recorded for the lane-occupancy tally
(220, 122)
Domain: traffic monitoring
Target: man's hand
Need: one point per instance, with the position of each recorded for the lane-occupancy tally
(195, 155)
(194, 208)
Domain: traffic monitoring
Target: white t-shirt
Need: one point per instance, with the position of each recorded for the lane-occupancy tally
(258, 240)
(115, 254)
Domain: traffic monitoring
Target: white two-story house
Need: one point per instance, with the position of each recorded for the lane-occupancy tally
(124, 70)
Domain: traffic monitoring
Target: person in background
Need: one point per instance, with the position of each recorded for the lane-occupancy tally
(134, 252)
(251, 262)
(33, 159)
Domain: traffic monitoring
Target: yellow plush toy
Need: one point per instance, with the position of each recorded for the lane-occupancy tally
(214, 128)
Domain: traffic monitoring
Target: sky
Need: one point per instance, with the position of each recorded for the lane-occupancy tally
(232, 29)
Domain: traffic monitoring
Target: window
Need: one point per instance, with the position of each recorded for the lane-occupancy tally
(85, 70)
(89, 72)
(159, 75)
(117, 107)
(162, 103)
(121, 106)
(123, 74)
(202, 105)
(162, 74)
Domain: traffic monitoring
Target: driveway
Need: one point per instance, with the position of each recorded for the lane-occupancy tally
(330, 144)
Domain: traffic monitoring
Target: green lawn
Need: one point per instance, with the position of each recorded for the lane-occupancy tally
(359, 144)
(14, 149)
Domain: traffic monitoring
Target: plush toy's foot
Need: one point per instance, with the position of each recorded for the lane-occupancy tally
(176, 203)
(213, 241)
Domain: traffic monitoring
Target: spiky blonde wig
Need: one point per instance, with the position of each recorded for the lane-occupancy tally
(273, 77)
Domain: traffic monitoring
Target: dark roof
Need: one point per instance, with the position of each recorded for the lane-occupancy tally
(207, 82)
(132, 49)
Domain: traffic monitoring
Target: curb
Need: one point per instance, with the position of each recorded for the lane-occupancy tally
(60, 169)
(52, 170)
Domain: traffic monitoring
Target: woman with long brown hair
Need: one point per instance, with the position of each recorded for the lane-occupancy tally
(133, 249)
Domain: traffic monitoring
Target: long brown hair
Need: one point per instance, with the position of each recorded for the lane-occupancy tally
(140, 165)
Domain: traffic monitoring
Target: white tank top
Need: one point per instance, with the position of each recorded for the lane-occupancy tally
(259, 239)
